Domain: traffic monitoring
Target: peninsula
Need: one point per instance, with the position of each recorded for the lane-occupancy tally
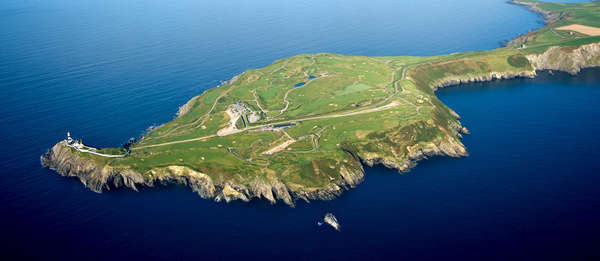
(302, 127)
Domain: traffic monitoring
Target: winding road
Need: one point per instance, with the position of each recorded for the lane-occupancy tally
(336, 115)
(98, 154)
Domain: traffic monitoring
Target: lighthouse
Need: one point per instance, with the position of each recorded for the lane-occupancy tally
(69, 139)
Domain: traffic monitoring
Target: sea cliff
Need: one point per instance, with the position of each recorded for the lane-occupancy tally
(406, 123)
(566, 59)
(99, 178)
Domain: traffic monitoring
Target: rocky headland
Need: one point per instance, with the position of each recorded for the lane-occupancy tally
(99, 176)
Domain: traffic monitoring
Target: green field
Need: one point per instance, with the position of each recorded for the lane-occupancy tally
(350, 109)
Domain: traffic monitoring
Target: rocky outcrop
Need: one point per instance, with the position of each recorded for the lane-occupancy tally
(457, 80)
(184, 109)
(567, 59)
(100, 177)
(189, 104)
(549, 18)
(198, 182)
(448, 147)
(65, 161)
(332, 221)
(520, 40)
(559, 58)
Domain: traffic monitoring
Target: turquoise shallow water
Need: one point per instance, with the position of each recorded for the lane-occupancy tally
(107, 70)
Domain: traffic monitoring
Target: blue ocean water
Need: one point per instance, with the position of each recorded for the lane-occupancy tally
(107, 70)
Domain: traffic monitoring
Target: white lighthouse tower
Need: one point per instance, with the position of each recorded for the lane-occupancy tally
(69, 139)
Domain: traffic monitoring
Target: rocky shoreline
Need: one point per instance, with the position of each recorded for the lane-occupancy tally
(555, 58)
(567, 59)
(185, 108)
(447, 148)
(100, 178)
(549, 18)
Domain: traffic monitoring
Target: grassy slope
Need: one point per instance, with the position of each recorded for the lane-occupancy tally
(342, 83)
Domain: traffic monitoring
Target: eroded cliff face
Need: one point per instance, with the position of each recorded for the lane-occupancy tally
(99, 177)
(558, 58)
(447, 147)
(567, 59)
(457, 80)
(66, 162)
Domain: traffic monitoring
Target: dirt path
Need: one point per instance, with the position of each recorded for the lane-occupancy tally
(258, 103)
(336, 115)
(557, 34)
(201, 118)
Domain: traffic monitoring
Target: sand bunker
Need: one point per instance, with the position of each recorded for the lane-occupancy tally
(583, 29)
(279, 147)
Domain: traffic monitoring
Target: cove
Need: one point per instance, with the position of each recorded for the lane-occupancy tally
(526, 190)
(68, 66)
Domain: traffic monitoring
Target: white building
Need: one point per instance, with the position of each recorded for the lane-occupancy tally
(78, 144)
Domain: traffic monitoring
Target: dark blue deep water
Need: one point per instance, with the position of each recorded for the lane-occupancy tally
(108, 69)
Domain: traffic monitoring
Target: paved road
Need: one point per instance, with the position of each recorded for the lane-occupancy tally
(99, 154)
(337, 115)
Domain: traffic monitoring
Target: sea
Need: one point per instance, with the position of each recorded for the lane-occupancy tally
(106, 70)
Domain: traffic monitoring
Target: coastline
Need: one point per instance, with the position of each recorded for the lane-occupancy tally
(548, 16)
(99, 178)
